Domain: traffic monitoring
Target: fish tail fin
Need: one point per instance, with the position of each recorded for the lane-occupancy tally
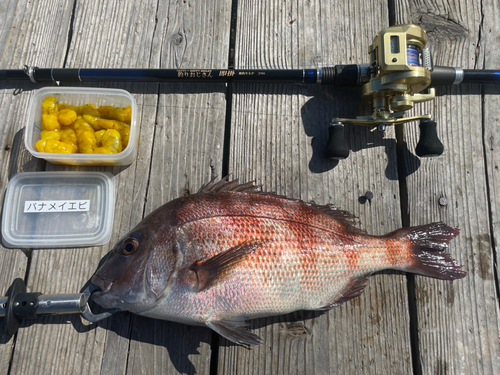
(426, 247)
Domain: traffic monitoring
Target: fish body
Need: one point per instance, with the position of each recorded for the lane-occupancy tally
(230, 253)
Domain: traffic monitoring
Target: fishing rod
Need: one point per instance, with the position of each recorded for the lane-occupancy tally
(342, 75)
(401, 73)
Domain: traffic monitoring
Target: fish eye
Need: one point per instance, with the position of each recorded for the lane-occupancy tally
(129, 246)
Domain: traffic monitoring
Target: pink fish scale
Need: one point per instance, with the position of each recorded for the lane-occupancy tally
(293, 267)
(305, 260)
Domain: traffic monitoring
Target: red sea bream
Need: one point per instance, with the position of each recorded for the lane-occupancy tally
(230, 253)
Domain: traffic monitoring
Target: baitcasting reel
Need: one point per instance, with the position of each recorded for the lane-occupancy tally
(400, 70)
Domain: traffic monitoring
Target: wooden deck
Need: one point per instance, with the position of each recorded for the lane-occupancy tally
(274, 134)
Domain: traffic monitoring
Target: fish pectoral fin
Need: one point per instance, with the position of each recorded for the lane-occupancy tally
(235, 330)
(354, 289)
(205, 273)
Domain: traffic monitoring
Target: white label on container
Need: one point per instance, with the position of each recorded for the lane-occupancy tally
(56, 206)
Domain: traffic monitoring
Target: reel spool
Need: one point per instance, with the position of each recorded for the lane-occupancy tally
(400, 70)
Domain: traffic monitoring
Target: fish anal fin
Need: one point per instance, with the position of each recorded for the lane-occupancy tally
(354, 289)
(204, 273)
(235, 330)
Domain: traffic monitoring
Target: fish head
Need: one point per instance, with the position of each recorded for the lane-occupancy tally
(137, 271)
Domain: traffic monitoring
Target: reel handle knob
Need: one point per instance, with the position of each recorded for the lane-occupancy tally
(429, 143)
(336, 148)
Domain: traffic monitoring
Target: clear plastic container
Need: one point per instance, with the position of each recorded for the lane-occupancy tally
(81, 96)
(58, 209)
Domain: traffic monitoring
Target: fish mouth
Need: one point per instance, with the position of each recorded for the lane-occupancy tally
(103, 285)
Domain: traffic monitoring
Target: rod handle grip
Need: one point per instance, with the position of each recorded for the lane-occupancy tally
(336, 147)
(429, 143)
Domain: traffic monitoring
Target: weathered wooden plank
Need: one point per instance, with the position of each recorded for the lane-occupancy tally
(13, 262)
(23, 41)
(137, 34)
(458, 323)
(186, 153)
(187, 149)
(490, 35)
(34, 33)
(13, 265)
(277, 137)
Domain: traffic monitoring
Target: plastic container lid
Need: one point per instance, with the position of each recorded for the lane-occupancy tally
(58, 209)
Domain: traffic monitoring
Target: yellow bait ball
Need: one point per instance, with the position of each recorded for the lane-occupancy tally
(86, 142)
(80, 126)
(53, 146)
(98, 137)
(49, 105)
(66, 117)
(49, 122)
(125, 133)
(68, 136)
(50, 134)
(111, 143)
(40, 145)
(116, 113)
(99, 123)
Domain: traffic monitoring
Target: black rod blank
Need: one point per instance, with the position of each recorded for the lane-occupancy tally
(159, 75)
(339, 75)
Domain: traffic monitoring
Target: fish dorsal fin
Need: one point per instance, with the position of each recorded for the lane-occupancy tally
(204, 273)
(249, 187)
(353, 290)
(225, 185)
(350, 221)
(235, 330)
